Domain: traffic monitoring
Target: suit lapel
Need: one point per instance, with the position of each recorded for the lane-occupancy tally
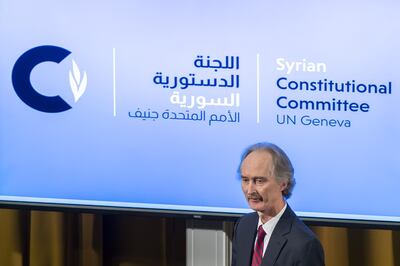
(278, 239)
(248, 241)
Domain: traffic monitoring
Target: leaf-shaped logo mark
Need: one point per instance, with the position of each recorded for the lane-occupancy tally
(78, 86)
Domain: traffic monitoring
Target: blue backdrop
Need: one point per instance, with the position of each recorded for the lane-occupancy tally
(165, 95)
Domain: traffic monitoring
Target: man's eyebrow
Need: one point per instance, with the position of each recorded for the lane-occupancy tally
(254, 177)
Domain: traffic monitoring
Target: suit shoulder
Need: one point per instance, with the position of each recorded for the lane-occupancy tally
(304, 242)
(299, 228)
(296, 227)
(247, 221)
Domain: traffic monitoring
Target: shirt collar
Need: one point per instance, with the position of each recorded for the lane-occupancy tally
(269, 226)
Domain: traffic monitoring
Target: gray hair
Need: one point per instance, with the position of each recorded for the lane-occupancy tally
(282, 167)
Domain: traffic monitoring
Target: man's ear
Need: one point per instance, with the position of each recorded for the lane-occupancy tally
(283, 185)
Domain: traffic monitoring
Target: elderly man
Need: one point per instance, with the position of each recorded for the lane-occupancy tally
(272, 235)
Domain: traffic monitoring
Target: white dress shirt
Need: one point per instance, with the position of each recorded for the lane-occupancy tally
(269, 226)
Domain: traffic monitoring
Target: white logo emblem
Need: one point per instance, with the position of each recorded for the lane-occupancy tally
(78, 86)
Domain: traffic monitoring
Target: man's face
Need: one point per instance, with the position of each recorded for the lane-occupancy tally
(259, 185)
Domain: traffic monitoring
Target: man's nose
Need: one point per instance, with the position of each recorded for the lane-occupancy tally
(251, 187)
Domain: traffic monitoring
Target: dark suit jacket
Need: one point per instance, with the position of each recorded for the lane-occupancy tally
(291, 242)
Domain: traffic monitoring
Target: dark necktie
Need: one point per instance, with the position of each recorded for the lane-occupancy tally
(258, 248)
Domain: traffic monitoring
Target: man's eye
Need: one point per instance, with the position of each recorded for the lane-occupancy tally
(259, 181)
(245, 180)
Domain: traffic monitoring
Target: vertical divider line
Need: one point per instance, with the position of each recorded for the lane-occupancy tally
(114, 86)
(258, 88)
(192, 245)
